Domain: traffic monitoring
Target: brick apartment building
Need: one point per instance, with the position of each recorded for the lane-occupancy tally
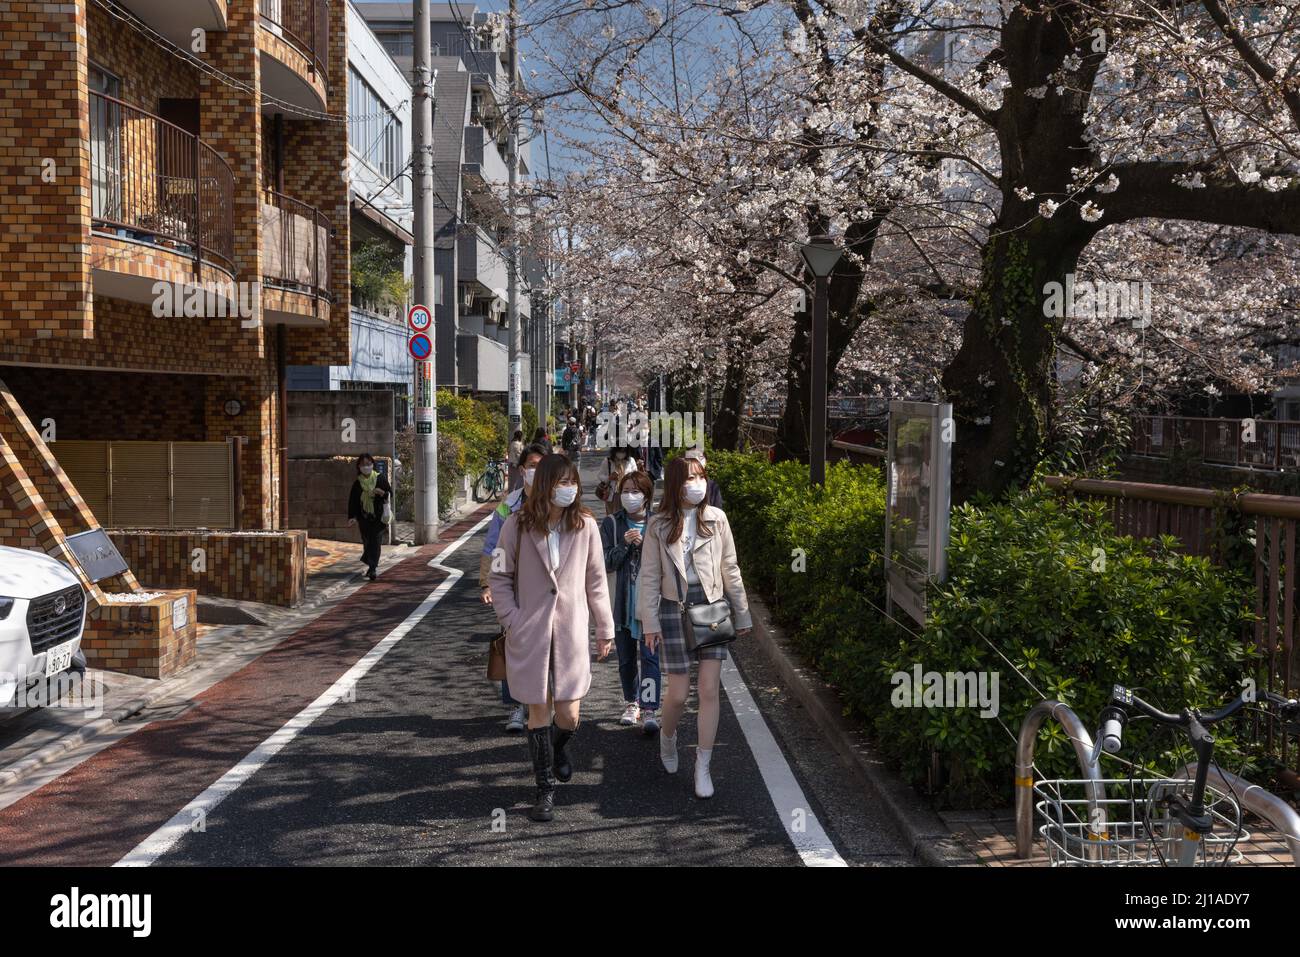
(199, 142)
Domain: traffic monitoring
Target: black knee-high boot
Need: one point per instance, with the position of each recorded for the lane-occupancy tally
(539, 746)
(563, 768)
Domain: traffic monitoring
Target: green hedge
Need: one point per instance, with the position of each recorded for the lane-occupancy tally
(1026, 576)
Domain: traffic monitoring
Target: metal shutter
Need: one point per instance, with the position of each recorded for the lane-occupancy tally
(201, 483)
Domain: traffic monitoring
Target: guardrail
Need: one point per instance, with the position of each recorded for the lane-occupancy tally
(1195, 516)
(152, 181)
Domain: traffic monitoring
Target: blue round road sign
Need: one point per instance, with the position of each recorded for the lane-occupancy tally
(420, 347)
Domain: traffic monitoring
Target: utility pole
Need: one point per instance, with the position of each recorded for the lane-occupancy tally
(426, 432)
(515, 398)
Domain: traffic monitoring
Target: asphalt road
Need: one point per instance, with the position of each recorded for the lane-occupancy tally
(372, 737)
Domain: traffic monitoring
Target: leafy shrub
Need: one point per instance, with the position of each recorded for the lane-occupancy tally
(1026, 576)
(481, 429)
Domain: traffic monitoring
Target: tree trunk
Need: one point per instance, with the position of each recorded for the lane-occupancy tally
(1001, 380)
(726, 424)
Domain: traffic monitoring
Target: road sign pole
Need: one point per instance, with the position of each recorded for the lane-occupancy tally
(426, 443)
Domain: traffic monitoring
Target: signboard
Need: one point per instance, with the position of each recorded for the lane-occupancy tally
(424, 428)
(574, 367)
(420, 346)
(561, 378)
(514, 395)
(96, 554)
(917, 505)
(423, 386)
(419, 318)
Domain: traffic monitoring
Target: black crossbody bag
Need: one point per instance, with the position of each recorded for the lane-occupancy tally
(705, 624)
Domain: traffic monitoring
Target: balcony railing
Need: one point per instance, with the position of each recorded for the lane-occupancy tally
(152, 181)
(295, 245)
(305, 24)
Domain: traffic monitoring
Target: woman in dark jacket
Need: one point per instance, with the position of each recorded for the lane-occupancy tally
(366, 509)
(620, 534)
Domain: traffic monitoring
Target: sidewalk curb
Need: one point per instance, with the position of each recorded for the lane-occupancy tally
(15, 773)
(929, 839)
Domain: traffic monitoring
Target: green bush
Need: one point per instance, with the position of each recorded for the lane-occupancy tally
(1026, 575)
(480, 428)
(528, 420)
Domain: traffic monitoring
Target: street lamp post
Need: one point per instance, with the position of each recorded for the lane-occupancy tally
(820, 253)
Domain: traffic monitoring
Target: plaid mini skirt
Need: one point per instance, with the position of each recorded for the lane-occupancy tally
(674, 659)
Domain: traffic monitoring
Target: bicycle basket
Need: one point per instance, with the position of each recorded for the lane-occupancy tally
(1126, 822)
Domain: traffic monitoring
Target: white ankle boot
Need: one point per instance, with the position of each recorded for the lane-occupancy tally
(668, 752)
(703, 783)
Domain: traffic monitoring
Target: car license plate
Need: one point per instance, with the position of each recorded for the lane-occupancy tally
(58, 659)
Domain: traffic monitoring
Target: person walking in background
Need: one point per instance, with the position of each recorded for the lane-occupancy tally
(541, 438)
(570, 439)
(688, 556)
(619, 462)
(550, 591)
(366, 510)
(526, 463)
(621, 535)
(516, 450)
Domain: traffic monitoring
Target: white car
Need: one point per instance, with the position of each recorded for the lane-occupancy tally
(42, 616)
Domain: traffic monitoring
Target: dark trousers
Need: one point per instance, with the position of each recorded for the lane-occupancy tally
(371, 533)
(633, 655)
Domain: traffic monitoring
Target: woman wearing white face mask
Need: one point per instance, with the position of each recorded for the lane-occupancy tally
(527, 467)
(688, 558)
(617, 464)
(621, 534)
(366, 510)
(549, 590)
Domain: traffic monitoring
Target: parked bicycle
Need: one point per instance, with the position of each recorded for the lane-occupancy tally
(491, 485)
(1152, 821)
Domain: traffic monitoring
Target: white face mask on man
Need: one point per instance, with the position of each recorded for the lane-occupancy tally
(695, 490)
(563, 496)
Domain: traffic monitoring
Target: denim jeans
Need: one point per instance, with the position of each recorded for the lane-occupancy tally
(631, 653)
(505, 694)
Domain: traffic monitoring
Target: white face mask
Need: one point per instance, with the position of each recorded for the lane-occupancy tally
(695, 491)
(528, 476)
(564, 495)
(632, 501)
(367, 469)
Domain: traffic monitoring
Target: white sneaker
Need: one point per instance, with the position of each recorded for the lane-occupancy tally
(668, 752)
(518, 718)
(649, 721)
(703, 783)
(630, 714)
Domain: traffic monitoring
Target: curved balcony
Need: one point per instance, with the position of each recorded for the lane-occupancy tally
(296, 35)
(159, 196)
(295, 260)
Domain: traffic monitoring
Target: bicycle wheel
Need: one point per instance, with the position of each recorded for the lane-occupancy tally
(497, 484)
(481, 487)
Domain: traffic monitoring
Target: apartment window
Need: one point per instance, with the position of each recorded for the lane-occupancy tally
(374, 130)
(397, 44)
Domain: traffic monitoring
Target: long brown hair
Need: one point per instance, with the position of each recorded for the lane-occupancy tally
(536, 512)
(670, 503)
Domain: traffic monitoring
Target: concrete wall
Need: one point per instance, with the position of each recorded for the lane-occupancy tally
(316, 424)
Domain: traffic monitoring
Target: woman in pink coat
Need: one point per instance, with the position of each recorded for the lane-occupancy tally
(550, 588)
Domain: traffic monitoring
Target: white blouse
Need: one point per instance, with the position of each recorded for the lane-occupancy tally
(553, 545)
(689, 528)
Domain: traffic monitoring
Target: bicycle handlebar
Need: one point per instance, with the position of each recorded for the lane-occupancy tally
(1121, 699)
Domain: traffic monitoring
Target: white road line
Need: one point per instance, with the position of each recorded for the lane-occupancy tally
(810, 840)
(165, 838)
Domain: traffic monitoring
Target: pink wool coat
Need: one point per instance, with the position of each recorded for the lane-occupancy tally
(548, 617)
